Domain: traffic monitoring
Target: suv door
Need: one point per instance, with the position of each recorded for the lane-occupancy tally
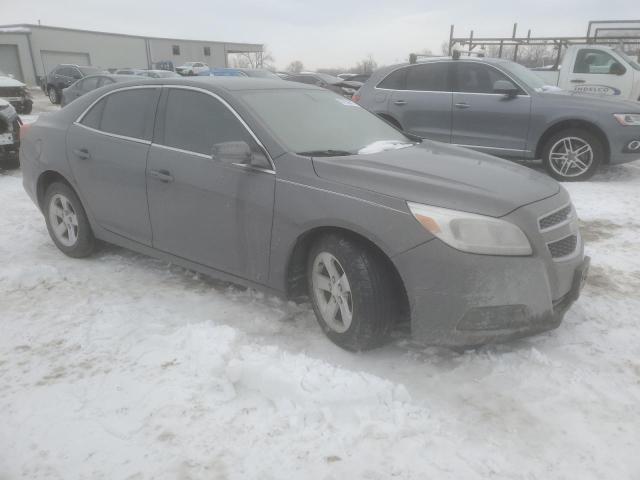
(485, 120)
(204, 209)
(598, 72)
(421, 99)
(107, 150)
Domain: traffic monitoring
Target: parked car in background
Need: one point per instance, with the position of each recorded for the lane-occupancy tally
(345, 88)
(62, 76)
(129, 71)
(259, 73)
(90, 83)
(222, 72)
(293, 189)
(355, 77)
(596, 70)
(192, 68)
(16, 93)
(9, 135)
(158, 74)
(500, 107)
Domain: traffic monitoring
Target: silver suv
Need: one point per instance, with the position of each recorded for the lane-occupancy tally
(502, 108)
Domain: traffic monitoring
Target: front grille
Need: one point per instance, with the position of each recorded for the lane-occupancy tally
(11, 92)
(555, 218)
(564, 247)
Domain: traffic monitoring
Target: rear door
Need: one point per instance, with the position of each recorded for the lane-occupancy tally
(421, 99)
(107, 150)
(202, 208)
(599, 72)
(485, 120)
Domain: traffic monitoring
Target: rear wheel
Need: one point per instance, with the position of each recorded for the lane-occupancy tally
(573, 155)
(353, 297)
(67, 221)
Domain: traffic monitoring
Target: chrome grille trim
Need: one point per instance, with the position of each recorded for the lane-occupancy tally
(565, 247)
(556, 218)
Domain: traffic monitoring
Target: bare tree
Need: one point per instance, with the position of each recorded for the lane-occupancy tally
(262, 59)
(444, 48)
(295, 67)
(367, 65)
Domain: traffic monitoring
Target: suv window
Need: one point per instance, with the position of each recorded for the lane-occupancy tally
(593, 61)
(395, 80)
(476, 77)
(432, 77)
(129, 113)
(66, 72)
(196, 121)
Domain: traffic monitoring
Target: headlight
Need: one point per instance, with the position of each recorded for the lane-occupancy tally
(628, 119)
(470, 232)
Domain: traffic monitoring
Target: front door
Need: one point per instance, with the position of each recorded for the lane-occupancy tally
(598, 72)
(202, 208)
(488, 121)
(421, 101)
(108, 156)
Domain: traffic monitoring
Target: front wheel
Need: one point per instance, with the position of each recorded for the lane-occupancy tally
(573, 155)
(67, 221)
(353, 296)
(54, 96)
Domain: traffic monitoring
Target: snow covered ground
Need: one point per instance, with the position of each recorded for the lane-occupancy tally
(124, 367)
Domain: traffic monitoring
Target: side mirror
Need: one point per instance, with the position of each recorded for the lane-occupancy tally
(232, 152)
(617, 69)
(505, 87)
(320, 83)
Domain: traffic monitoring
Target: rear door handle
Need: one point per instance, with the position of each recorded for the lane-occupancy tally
(162, 175)
(578, 80)
(400, 102)
(82, 153)
(462, 105)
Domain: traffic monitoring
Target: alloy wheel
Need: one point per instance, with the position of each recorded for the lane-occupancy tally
(64, 220)
(571, 156)
(332, 292)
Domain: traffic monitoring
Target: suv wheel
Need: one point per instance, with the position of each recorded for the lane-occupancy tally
(572, 155)
(353, 298)
(54, 96)
(67, 221)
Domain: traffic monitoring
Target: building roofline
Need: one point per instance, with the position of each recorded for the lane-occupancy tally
(143, 37)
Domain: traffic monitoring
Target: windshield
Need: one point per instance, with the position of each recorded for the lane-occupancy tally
(528, 77)
(321, 122)
(629, 60)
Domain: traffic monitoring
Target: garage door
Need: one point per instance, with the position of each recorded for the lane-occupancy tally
(9, 61)
(50, 58)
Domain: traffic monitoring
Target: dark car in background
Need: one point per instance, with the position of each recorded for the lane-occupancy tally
(9, 135)
(90, 83)
(346, 88)
(63, 76)
(16, 93)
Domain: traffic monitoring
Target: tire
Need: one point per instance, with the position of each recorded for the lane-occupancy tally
(26, 108)
(566, 144)
(54, 94)
(59, 200)
(369, 293)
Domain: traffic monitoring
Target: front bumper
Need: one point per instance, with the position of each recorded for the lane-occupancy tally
(624, 145)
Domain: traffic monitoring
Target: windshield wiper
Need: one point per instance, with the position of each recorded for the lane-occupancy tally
(325, 153)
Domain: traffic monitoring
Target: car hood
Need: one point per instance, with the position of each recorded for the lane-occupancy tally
(441, 175)
(588, 100)
(10, 82)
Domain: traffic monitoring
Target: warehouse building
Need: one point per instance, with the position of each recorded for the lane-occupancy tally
(29, 52)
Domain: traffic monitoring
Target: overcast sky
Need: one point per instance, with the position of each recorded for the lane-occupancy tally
(322, 33)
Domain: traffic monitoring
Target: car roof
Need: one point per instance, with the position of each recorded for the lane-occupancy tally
(223, 83)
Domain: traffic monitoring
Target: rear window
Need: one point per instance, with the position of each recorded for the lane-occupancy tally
(395, 80)
(129, 113)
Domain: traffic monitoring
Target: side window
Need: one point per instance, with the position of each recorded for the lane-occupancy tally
(594, 61)
(89, 84)
(196, 122)
(105, 81)
(65, 72)
(432, 77)
(207, 51)
(75, 73)
(129, 113)
(395, 80)
(475, 77)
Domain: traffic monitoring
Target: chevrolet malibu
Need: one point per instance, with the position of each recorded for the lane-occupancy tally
(298, 191)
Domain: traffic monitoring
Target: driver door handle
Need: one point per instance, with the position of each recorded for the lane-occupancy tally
(578, 80)
(462, 105)
(162, 175)
(400, 102)
(82, 153)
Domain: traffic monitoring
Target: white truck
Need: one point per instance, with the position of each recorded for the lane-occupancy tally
(596, 70)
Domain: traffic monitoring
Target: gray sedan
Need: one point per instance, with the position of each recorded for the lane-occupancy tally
(502, 108)
(298, 191)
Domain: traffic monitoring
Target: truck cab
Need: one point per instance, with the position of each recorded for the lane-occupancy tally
(597, 70)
